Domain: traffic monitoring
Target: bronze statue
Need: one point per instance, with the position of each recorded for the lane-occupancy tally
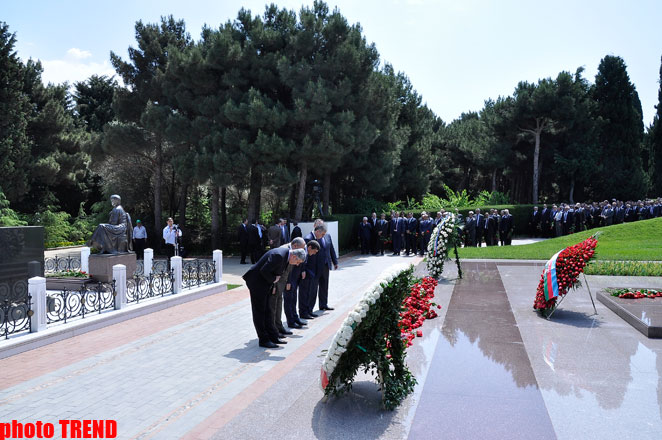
(114, 237)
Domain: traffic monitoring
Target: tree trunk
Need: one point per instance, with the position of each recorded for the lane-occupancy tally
(494, 173)
(158, 183)
(224, 218)
(536, 171)
(303, 175)
(571, 196)
(182, 206)
(214, 217)
(326, 191)
(291, 204)
(254, 195)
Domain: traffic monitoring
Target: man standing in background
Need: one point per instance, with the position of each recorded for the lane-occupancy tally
(139, 240)
(242, 233)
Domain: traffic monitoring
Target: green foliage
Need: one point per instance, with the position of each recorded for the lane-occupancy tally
(637, 241)
(9, 217)
(625, 268)
(68, 274)
(375, 337)
(348, 229)
(60, 229)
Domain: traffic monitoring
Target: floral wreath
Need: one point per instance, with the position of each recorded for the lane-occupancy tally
(371, 338)
(562, 272)
(444, 237)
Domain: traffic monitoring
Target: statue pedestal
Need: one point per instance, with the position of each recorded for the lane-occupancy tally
(101, 265)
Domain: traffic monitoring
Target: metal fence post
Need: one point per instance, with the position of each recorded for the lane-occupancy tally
(85, 259)
(148, 258)
(218, 264)
(119, 275)
(176, 266)
(37, 291)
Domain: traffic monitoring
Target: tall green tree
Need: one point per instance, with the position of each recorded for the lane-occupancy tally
(655, 145)
(142, 108)
(14, 108)
(94, 101)
(621, 133)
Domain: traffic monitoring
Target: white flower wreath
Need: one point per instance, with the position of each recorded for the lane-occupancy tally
(438, 246)
(354, 318)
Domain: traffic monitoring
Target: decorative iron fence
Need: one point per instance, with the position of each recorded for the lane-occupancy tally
(14, 317)
(69, 304)
(158, 266)
(197, 272)
(140, 288)
(61, 264)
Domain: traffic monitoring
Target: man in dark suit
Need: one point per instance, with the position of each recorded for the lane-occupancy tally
(365, 234)
(469, 230)
(480, 228)
(312, 268)
(506, 227)
(296, 231)
(374, 237)
(255, 241)
(297, 276)
(382, 233)
(325, 259)
(491, 226)
(534, 222)
(396, 231)
(411, 228)
(425, 227)
(275, 234)
(242, 233)
(260, 280)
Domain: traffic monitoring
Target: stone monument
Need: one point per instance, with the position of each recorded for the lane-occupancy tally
(113, 241)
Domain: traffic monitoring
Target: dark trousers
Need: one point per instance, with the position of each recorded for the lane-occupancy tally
(170, 252)
(256, 254)
(244, 252)
(276, 308)
(290, 305)
(139, 247)
(380, 246)
(397, 242)
(313, 286)
(425, 240)
(479, 237)
(410, 242)
(323, 288)
(365, 245)
(304, 295)
(263, 319)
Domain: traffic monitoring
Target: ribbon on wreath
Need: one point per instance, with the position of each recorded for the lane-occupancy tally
(551, 286)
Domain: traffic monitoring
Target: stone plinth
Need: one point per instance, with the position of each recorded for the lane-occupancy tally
(101, 265)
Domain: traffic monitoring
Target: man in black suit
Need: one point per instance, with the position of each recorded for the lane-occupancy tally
(374, 237)
(297, 276)
(255, 241)
(296, 231)
(534, 222)
(411, 228)
(480, 228)
(506, 227)
(396, 231)
(469, 230)
(545, 221)
(242, 233)
(261, 279)
(425, 227)
(382, 233)
(491, 226)
(309, 284)
(325, 259)
(365, 234)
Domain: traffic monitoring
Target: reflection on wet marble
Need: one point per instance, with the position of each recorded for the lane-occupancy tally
(598, 376)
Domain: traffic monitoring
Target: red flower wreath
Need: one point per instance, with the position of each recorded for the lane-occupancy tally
(570, 264)
(417, 307)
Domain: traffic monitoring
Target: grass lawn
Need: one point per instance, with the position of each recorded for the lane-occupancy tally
(638, 241)
(233, 286)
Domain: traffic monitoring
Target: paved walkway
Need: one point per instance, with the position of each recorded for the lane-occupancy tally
(487, 367)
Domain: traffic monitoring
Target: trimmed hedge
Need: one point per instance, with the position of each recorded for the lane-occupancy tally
(348, 229)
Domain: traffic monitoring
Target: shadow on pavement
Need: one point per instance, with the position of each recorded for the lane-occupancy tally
(251, 353)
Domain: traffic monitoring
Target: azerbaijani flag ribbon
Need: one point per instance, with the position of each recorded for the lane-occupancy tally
(551, 284)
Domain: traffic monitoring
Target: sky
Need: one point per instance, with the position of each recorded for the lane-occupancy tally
(457, 53)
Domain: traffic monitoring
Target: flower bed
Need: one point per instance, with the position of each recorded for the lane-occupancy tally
(635, 293)
(562, 273)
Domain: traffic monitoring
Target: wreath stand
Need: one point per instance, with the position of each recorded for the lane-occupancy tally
(562, 298)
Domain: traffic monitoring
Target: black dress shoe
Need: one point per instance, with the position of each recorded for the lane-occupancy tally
(301, 323)
(285, 332)
(279, 342)
(294, 325)
(327, 308)
(308, 316)
(268, 344)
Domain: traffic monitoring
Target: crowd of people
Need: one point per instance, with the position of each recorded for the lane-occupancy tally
(291, 277)
(564, 219)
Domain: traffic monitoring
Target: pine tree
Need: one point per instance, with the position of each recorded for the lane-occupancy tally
(621, 132)
(655, 146)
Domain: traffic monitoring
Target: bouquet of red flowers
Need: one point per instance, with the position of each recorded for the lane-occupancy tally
(562, 273)
(417, 307)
